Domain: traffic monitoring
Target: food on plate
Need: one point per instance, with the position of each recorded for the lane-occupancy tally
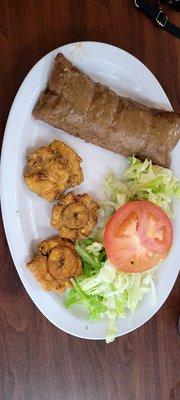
(75, 215)
(111, 270)
(138, 236)
(106, 292)
(141, 181)
(73, 102)
(52, 169)
(55, 263)
(111, 292)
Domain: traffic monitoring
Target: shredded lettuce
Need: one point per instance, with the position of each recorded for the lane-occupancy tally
(110, 294)
(92, 254)
(142, 180)
(94, 248)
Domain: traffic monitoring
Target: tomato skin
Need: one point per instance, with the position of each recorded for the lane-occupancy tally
(138, 236)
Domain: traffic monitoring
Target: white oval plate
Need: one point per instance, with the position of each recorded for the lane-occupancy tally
(27, 217)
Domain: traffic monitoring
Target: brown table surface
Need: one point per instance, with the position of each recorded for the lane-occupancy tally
(38, 361)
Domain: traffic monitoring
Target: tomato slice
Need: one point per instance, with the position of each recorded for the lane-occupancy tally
(138, 236)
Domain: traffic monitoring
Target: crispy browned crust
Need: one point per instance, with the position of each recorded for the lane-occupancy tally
(75, 103)
(74, 216)
(55, 263)
(52, 169)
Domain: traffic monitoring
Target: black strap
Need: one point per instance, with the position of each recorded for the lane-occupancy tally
(158, 16)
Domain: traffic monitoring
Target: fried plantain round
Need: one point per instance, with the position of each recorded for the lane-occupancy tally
(52, 169)
(74, 216)
(55, 263)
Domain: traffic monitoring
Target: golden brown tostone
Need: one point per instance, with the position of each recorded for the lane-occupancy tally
(74, 216)
(52, 169)
(55, 262)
